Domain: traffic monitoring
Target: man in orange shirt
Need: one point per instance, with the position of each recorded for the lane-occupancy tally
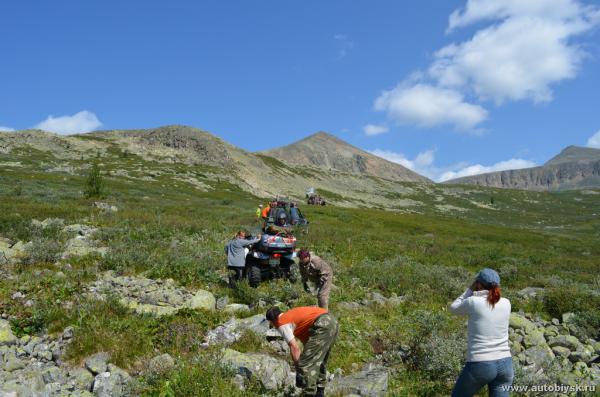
(317, 329)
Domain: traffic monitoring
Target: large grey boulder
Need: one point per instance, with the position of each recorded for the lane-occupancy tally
(113, 383)
(81, 379)
(273, 374)
(372, 381)
(82, 246)
(568, 341)
(539, 355)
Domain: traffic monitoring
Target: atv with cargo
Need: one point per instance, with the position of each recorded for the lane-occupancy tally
(273, 256)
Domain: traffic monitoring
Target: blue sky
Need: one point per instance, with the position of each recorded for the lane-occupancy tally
(448, 88)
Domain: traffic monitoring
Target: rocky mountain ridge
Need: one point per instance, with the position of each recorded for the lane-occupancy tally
(573, 168)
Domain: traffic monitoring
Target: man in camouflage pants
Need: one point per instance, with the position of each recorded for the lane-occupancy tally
(316, 270)
(317, 329)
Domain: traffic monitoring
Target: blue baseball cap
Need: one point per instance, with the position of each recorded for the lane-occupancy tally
(488, 277)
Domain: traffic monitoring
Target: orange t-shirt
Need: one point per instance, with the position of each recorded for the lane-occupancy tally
(265, 212)
(300, 319)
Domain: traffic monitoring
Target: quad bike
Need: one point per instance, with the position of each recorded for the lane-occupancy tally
(272, 257)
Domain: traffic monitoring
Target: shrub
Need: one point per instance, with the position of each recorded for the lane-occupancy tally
(570, 298)
(432, 347)
(42, 250)
(402, 275)
(586, 325)
(94, 183)
(203, 377)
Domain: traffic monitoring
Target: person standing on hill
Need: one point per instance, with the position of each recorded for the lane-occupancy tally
(317, 329)
(236, 256)
(489, 361)
(259, 212)
(316, 270)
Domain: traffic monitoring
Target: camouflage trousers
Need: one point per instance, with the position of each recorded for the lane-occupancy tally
(312, 365)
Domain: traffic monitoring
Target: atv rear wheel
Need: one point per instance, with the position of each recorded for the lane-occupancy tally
(254, 276)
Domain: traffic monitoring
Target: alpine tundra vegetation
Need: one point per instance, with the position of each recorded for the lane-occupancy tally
(125, 292)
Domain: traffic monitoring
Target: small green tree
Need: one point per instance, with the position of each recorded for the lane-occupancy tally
(94, 183)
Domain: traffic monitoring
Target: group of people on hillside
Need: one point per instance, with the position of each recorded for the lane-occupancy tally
(489, 360)
(263, 213)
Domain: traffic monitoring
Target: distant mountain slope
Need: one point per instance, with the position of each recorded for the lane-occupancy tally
(179, 154)
(327, 152)
(573, 168)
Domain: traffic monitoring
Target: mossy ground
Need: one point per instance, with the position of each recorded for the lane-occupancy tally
(166, 228)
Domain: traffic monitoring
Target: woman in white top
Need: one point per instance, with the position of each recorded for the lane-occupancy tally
(488, 355)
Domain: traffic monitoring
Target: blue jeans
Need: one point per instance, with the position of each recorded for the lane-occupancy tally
(496, 374)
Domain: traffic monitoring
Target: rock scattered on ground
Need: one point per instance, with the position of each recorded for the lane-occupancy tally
(274, 374)
(546, 351)
(372, 381)
(373, 298)
(232, 330)
(148, 296)
(105, 206)
(12, 253)
(48, 222)
(32, 366)
(82, 243)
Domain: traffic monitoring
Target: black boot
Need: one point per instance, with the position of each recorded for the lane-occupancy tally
(320, 392)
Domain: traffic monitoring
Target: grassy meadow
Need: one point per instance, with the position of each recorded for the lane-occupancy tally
(166, 228)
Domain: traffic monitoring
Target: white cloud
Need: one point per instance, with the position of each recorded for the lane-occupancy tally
(594, 140)
(512, 164)
(481, 10)
(83, 121)
(345, 45)
(520, 57)
(424, 164)
(523, 48)
(373, 129)
(429, 106)
(6, 129)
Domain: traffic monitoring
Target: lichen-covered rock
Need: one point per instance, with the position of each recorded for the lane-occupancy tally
(81, 379)
(561, 351)
(539, 355)
(568, 341)
(534, 338)
(517, 321)
(273, 374)
(372, 381)
(81, 246)
(202, 300)
(7, 337)
(97, 363)
(148, 296)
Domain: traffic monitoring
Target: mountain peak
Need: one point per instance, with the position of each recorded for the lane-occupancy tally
(326, 151)
(575, 154)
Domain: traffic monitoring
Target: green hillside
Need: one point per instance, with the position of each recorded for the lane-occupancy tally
(166, 227)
